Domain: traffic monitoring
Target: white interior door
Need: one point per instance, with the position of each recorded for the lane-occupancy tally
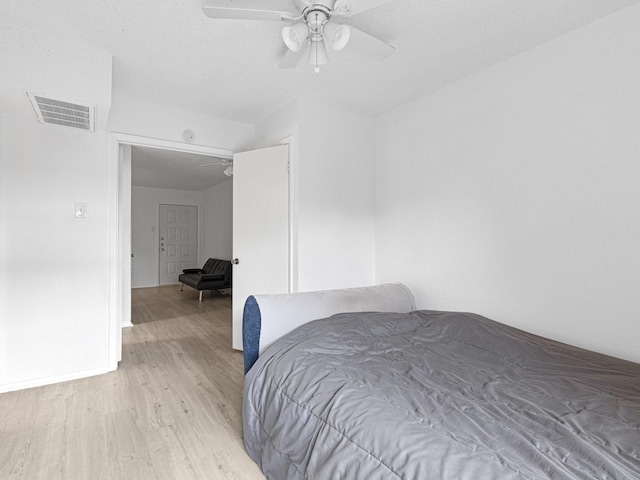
(260, 227)
(178, 250)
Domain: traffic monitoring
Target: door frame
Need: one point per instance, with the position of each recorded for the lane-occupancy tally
(290, 140)
(120, 230)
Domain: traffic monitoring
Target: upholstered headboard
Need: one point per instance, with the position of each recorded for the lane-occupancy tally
(268, 317)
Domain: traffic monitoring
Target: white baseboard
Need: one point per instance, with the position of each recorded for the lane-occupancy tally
(125, 325)
(39, 382)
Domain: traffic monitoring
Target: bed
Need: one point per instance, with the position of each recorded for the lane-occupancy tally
(357, 384)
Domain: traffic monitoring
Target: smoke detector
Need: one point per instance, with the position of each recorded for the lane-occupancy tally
(67, 114)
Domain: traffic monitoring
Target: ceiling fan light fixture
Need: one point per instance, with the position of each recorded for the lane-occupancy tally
(337, 35)
(310, 27)
(318, 54)
(295, 35)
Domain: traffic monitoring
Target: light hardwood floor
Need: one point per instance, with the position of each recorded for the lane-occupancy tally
(172, 410)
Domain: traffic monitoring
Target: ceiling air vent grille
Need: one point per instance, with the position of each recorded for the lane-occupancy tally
(63, 113)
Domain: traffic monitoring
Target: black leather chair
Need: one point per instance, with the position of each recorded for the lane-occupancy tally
(214, 275)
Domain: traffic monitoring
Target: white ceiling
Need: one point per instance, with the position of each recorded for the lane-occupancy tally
(168, 52)
(159, 168)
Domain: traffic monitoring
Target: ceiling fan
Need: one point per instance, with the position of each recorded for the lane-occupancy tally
(224, 162)
(313, 28)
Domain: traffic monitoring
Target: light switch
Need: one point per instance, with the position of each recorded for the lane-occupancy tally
(81, 210)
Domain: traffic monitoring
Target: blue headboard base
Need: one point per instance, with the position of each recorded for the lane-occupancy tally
(251, 323)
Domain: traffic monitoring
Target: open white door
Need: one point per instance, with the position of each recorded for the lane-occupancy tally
(260, 227)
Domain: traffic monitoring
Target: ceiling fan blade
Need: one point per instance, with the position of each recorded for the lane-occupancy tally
(246, 14)
(353, 7)
(223, 163)
(368, 45)
(291, 59)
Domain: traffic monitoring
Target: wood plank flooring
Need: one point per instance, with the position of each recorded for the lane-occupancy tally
(172, 410)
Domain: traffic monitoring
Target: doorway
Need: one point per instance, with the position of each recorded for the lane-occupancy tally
(120, 227)
(120, 240)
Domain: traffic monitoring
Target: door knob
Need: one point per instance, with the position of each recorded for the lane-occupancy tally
(235, 261)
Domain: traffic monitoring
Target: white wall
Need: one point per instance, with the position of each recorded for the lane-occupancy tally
(54, 268)
(145, 205)
(336, 246)
(515, 193)
(217, 222)
(155, 121)
(333, 190)
(54, 281)
(280, 125)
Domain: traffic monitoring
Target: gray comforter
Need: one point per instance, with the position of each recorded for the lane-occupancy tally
(438, 395)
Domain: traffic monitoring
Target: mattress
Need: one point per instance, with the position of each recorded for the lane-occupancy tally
(438, 395)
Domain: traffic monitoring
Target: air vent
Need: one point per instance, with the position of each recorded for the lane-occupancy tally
(67, 114)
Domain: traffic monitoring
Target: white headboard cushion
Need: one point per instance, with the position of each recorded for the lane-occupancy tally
(280, 313)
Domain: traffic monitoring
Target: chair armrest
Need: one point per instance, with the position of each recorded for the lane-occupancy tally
(212, 276)
(192, 270)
